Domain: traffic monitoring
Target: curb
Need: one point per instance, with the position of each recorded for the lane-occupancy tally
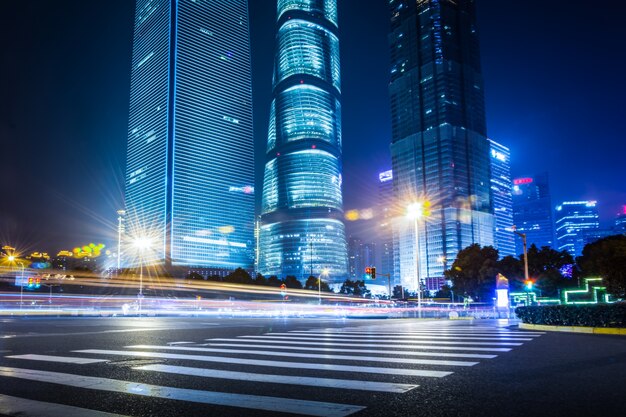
(575, 329)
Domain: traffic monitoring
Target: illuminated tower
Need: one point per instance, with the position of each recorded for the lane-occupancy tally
(190, 155)
(440, 153)
(302, 231)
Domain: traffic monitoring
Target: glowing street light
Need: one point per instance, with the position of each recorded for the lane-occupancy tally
(141, 244)
(416, 211)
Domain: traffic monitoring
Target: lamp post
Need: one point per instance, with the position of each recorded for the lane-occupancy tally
(120, 229)
(319, 285)
(141, 244)
(415, 212)
(12, 258)
(523, 236)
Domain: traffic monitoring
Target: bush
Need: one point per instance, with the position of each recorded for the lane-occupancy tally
(595, 315)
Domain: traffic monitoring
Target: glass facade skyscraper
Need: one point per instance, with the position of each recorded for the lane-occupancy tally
(575, 220)
(189, 176)
(439, 149)
(302, 230)
(502, 198)
(532, 211)
(385, 214)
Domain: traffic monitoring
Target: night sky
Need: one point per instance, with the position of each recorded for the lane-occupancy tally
(554, 79)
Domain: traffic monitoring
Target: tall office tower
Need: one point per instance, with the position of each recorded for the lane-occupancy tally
(385, 219)
(302, 230)
(360, 255)
(532, 211)
(190, 168)
(440, 153)
(502, 198)
(574, 219)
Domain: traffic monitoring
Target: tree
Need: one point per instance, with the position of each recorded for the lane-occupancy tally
(273, 281)
(238, 276)
(473, 271)
(292, 282)
(194, 276)
(356, 288)
(606, 258)
(312, 284)
(513, 269)
(260, 280)
(545, 265)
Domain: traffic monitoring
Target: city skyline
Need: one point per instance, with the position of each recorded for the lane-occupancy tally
(81, 186)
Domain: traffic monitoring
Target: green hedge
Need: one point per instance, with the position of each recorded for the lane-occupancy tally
(593, 315)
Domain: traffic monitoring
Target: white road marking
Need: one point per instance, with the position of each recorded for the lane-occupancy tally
(399, 336)
(21, 407)
(419, 333)
(386, 352)
(62, 359)
(374, 345)
(282, 379)
(258, 402)
(180, 343)
(311, 355)
(277, 364)
(343, 339)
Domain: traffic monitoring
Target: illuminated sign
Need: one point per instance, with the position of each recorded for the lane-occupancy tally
(520, 181)
(385, 176)
(502, 299)
(498, 155)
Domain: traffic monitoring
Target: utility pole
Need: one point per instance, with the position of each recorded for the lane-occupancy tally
(523, 236)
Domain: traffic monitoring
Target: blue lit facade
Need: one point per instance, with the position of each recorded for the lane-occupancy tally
(189, 177)
(575, 220)
(439, 149)
(502, 198)
(302, 230)
(532, 211)
(385, 233)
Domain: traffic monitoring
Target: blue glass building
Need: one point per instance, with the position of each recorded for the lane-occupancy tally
(302, 230)
(532, 211)
(189, 175)
(502, 198)
(575, 221)
(439, 149)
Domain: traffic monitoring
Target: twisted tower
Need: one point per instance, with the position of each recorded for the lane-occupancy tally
(302, 232)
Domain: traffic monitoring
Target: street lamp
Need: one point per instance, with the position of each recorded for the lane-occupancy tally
(415, 211)
(11, 258)
(325, 271)
(523, 236)
(120, 229)
(141, 244)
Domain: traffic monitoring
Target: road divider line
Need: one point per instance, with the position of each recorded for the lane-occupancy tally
(310, 355)
(258, 402)
(340, 339)
(386, 352)
(276, 364)
(374, 345)
(419, 333)
(62, 359)
(282, 379)
(22, 407)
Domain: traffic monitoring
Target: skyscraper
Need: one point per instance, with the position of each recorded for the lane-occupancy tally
(440, 153)
(302, 230)
(360, 255)
(502, 198)
(532, 211)
(575, 219)
(190, 173)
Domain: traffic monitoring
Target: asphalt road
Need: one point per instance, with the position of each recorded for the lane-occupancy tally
(265, 367)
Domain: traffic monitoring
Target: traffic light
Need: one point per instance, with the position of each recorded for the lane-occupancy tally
(529, 284)
(368, 272)
(373, 272)
(30, 282)
(37, 282)
(283, 290)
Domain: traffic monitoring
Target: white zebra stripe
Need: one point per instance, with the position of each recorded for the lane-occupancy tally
(62, 359)
(340, 339)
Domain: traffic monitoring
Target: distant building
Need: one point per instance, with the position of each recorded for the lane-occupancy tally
(532, 211)
(620, 222)
(502, 197)
(360, 255)
(385, 218)
(574, 220)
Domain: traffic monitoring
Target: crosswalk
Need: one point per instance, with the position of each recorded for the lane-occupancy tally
(316, 372)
